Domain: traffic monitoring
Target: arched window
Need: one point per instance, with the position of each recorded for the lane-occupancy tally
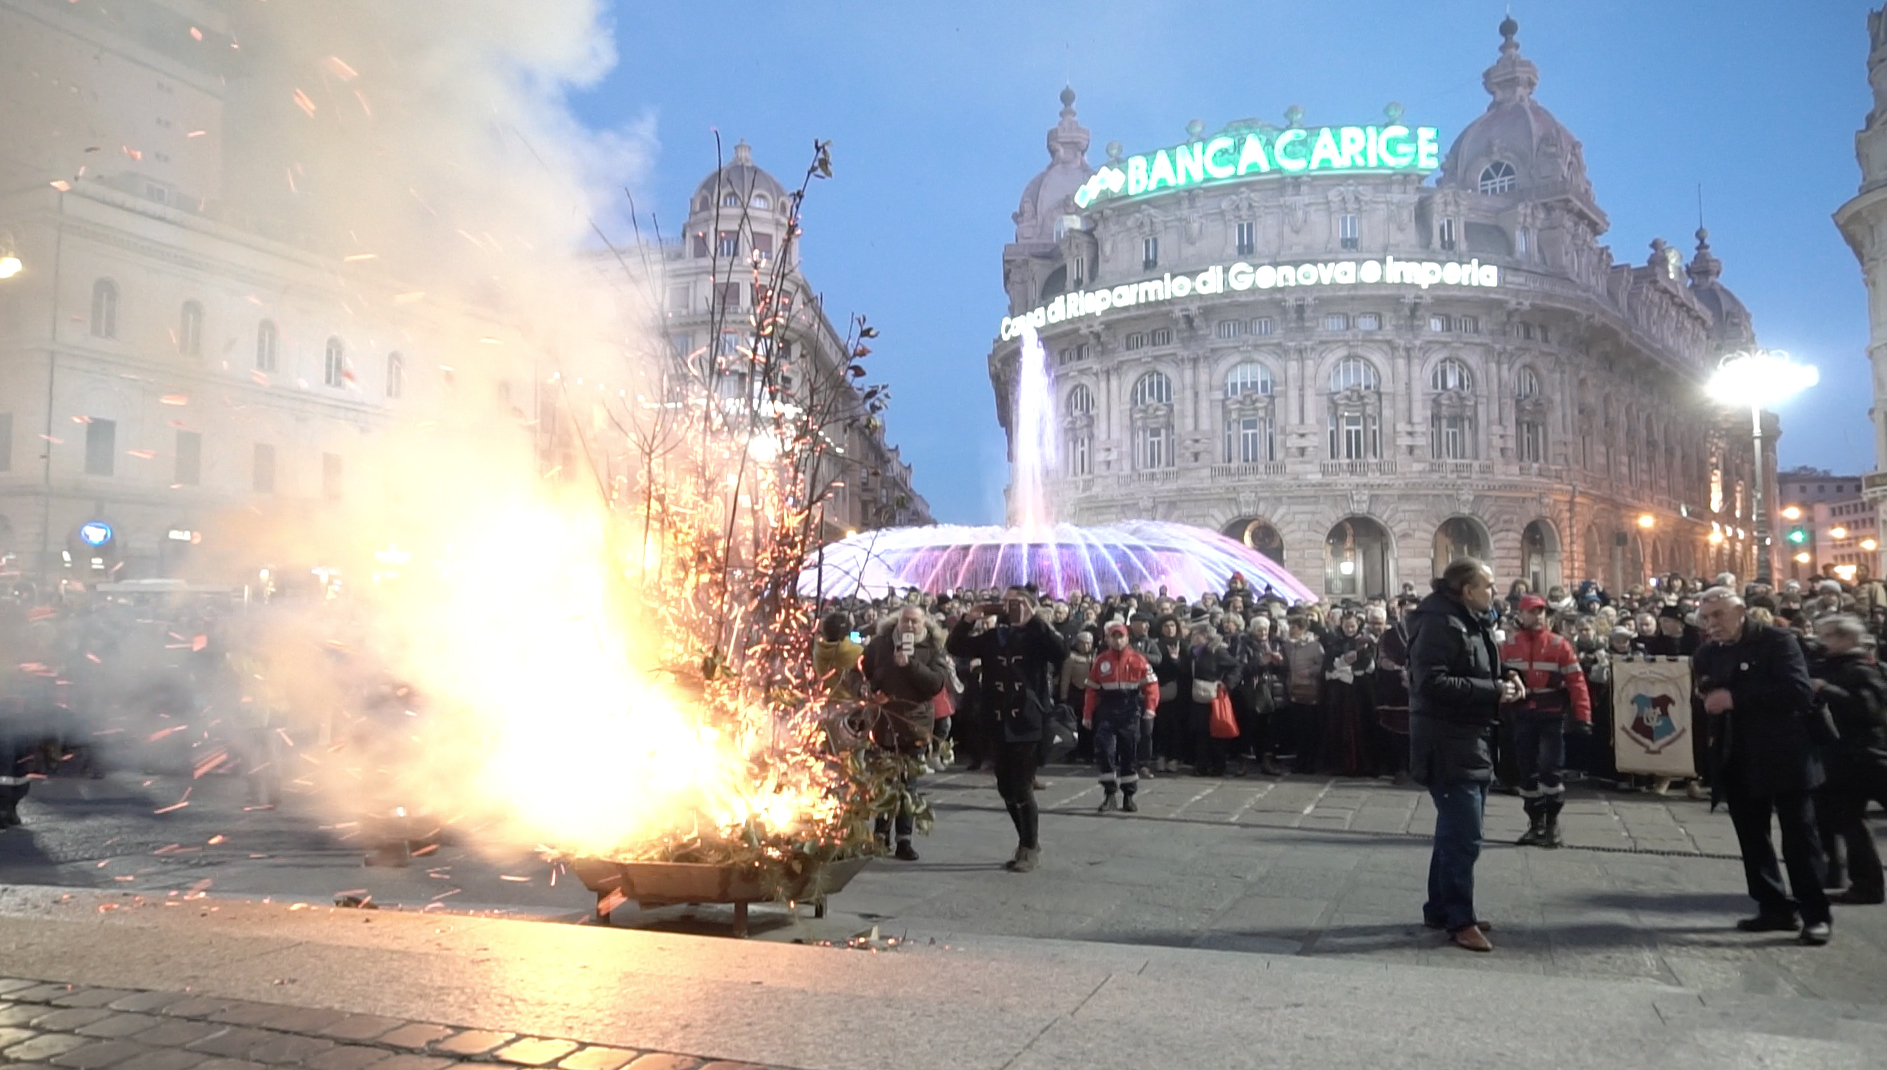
(1081, 401)
(730, 199)
(104, 309)
(190, 330)
(266, 339)
(1451, 427)
(760, 200)
(1152, 425)
(1080, 451)
(1153, 388)
(1248, 416)
(396, 375)
(1248, 378)
(1355, 411)
(334, 365)
(1354, 373)
(1526, 383)
(1451, 375)
(1497, 177)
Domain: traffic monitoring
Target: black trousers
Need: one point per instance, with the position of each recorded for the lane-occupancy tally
(1841, 819)
(1016, 764)
(1801, 854)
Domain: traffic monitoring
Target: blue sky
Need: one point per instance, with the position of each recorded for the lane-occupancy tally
(937, 114)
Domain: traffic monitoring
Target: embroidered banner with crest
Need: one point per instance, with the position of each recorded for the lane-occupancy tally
(1651, 728)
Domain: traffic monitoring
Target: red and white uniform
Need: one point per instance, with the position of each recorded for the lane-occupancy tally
(1113, 678)
(1549, 665)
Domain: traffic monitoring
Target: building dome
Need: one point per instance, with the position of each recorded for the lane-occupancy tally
(1731, 327)
(1517, 148)
(1050, 195)
(742, 179)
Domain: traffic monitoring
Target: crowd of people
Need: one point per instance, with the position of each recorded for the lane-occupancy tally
(1239, 683)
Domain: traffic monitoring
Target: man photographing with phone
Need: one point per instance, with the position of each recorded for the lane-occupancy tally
(1021, 653)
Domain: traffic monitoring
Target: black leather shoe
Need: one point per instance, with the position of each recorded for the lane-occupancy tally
(1127, 804)
(906, 853)
(1770, 923)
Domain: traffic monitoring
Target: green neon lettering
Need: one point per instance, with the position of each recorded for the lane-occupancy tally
(1323, 155)
(1251, 155)
(1161, 173)
(1189, 161)
(1350, 143)
(1214, 148)
(1292, 162)
(1396, 150)
(1372, 148)
(1136, 175)
(1427, 148)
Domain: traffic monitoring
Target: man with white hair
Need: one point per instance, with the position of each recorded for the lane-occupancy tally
(1756, 678)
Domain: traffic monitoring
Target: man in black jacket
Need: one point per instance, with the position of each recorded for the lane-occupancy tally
(1850, 682)
(1020, 655)
(1455, 694)
(1756, 678)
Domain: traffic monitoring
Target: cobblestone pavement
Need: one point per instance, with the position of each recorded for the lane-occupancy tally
(86, 1028)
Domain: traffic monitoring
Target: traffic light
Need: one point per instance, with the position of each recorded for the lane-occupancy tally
(1797, 536)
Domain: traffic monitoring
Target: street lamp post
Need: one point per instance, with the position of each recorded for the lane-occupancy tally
(1750, 378)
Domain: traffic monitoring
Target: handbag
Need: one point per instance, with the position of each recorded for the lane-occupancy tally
(1205, 690)
(1223, 724)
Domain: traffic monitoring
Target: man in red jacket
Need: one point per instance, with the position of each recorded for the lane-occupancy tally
(1122, 689)
(1546, 664)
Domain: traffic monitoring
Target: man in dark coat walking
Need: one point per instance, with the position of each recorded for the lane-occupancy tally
(1755, 677)
(1020, 655)
(1850, 682)
(1455, 694)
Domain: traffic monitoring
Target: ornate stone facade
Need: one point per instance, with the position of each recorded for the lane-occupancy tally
(1863, 221)
(1410, 370)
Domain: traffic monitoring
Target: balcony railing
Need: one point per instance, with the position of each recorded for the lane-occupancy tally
(1461, 469)
(1248, 470)
(1358, 468)
(1151, 477)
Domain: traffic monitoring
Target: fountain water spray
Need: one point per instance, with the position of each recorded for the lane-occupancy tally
(1035, 439)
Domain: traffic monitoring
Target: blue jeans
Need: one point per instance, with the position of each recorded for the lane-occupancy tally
(1459, 807)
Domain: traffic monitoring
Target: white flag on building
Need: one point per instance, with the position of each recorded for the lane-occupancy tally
(1651, 728)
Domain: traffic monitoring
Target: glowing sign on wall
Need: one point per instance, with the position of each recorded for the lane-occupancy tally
(95, 533)
(1292, 151)
(1243, 276)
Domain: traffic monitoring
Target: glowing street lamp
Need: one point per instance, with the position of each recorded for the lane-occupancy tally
(1837, 533)
(1647, 521)
(1792, 512)
(1869, 545)
(1752, 379)
(10, 266)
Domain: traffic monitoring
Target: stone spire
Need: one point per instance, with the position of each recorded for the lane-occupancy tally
(1068, 139)
(1705, 269)
(1513, 77)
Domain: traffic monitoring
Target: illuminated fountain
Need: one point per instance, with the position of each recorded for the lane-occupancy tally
(1057, 558)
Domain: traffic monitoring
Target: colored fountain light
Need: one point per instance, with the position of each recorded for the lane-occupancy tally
(1132, 555)
(1058, 559)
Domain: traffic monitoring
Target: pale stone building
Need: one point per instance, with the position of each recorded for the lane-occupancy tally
(1863, 222)
(715, 277)
(1292, 335)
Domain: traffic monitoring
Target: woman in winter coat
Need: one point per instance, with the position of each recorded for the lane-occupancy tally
(1349, 658)
(1210, 664)
(1169, 662)
(1299, 721)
